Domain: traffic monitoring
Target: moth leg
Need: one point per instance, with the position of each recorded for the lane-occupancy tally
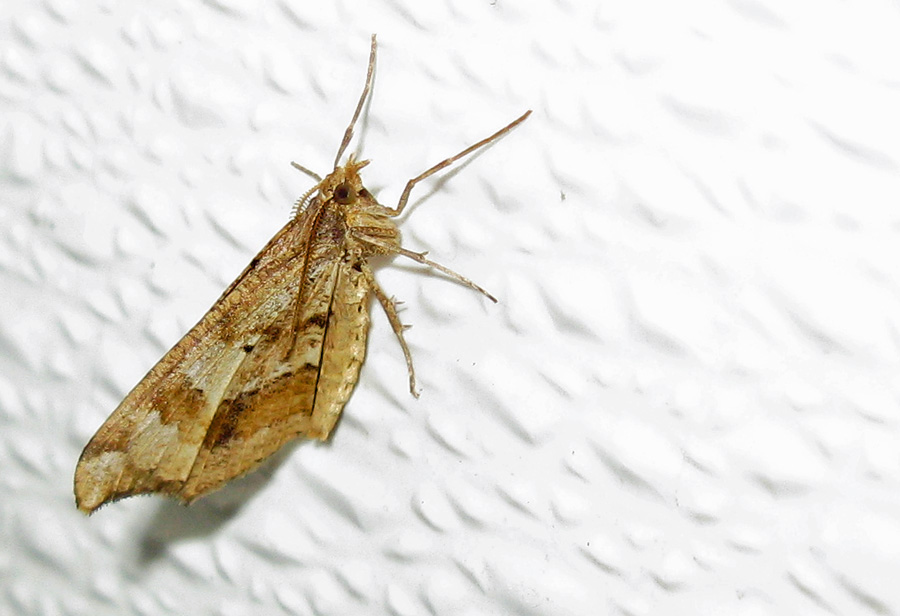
(390, 309)
(449, 161)
(420, 258)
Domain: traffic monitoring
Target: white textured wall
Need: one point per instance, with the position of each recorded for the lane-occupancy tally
(685, 403)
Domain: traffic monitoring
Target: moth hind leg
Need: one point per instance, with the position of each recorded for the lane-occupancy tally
(390, 309)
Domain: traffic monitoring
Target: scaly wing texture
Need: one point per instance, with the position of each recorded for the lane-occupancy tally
(252, 422)
(238, 386)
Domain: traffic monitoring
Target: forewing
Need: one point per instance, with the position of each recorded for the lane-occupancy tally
(249, 339)
(269, 402)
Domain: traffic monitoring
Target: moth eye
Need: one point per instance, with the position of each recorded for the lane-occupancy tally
(344, 193)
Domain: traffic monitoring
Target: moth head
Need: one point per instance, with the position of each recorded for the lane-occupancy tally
(343, 185)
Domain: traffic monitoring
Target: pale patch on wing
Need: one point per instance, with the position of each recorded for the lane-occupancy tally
(155, 437)
(98, 477)
(177, 455)
(135, 451)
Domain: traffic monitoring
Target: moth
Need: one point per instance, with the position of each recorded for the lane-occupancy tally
(275, 358)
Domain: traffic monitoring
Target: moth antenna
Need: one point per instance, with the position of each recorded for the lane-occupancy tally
(348, 134)
(303, 201)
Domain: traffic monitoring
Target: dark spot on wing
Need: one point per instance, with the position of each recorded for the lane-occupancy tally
(272, 332)
(248, 348)
(173, 402)
(226, 420)
(107, 440)
(225, 320)
(319, 319)
(238, 418)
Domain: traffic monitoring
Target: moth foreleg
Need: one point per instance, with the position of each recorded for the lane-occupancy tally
(404, 197)
(390, 309)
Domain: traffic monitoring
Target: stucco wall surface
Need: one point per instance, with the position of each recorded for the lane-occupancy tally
(686, 401)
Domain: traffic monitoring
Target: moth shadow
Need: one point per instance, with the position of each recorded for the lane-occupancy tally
(174, 522)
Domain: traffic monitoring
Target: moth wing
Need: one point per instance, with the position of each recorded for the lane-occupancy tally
(267, 403)
(270, 323)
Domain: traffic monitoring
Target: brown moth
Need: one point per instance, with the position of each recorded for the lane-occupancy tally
(277, 355)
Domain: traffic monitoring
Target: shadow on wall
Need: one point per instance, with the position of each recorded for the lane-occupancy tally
(174, 522)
